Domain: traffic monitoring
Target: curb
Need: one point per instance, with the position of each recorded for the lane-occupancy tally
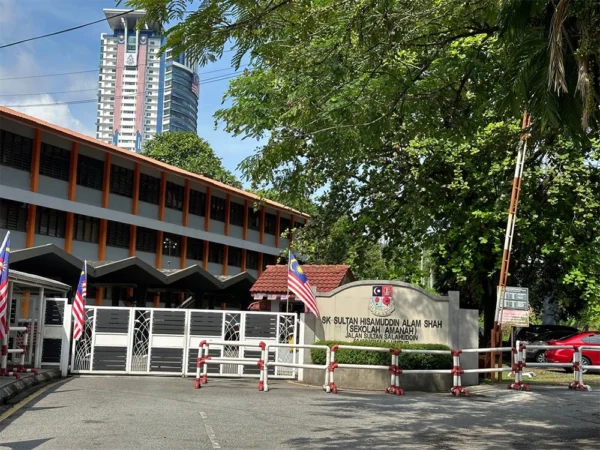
(16, 387)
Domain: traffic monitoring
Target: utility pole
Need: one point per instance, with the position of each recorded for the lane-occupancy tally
(169, 244)
(508, 239)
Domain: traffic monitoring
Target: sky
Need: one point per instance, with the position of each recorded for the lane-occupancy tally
(79, 51)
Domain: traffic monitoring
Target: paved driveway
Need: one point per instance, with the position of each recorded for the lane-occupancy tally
(167, 413)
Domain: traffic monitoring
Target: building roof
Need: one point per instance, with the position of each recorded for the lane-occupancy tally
(115, 18)
(324, 277)
(35, 280)
(136, 157)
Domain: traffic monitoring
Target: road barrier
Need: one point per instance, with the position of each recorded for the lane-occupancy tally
(21, 350)
(518, 363)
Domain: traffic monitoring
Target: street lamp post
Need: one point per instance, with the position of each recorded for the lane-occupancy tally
(169, 244)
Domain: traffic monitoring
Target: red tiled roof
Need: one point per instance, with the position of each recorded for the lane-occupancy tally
(136, 157)
(325, 278)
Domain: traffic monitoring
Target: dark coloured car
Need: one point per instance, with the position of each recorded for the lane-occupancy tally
(532, 332)
(537, 355)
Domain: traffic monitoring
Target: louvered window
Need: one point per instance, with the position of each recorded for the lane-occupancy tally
(117, 234)
(86, 229)
(298, 225)
(217, 208)
(236, 215)
(90, 172)
(234, 257)
(121, 181)
(195, 249)
(253, 219)
(284, 224)
(146, 240)
(270, 223)
(269, 260)
(13, 215)
(15, 150)
(149, 189)
(197, 203)
(251, 260)
(50, 222)
(215, 253)
(174, 196)
(55, 162)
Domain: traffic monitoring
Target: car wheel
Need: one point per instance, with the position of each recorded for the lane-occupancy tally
(585, 361)
(539, 357)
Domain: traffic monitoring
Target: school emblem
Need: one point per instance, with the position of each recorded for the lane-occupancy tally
(382, 302)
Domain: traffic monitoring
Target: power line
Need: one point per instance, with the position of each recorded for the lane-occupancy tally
(66, 30)
(95, 89)
(93, 100)
(95, 70)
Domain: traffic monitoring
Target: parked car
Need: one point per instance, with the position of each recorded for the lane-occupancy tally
(589, 357)
(537, 355)
(532, 332)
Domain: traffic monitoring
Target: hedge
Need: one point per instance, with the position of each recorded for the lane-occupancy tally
(406, 361)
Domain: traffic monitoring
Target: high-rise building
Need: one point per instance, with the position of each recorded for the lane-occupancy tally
(139, 92)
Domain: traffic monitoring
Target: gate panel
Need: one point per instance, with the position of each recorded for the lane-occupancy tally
(81, 355)
(111, 339)
(52, 338)
(140, 341)
(167, 341)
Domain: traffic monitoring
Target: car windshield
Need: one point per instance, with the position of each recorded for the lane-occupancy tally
(549, 335)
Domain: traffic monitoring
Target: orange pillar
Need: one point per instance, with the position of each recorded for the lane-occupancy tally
(99, 295)
(106, 184)
(132, 239)
(69, 232)
(227, 213)
(135, 201)
(102, 240)
(35, 160)
(73, 171)
(205, 256)
(245, 226)
(182, 260)
(186, 203)
(225, 259)
(30, 237)
(157, 300)
(290, 234)
(260, 264)
(162, 198)
(159, 249)
(207, 208)
(243, 268)
(262, 224)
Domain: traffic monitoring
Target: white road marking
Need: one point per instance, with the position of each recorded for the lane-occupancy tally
(209, 431)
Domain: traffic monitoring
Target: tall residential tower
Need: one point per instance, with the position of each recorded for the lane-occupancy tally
(140, 93)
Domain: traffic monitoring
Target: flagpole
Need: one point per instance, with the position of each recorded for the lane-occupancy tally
(287, 284)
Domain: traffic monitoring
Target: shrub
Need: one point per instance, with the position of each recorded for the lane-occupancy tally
(406, 361)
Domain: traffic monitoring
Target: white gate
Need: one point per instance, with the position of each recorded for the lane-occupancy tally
(165, 341)
(55, 334)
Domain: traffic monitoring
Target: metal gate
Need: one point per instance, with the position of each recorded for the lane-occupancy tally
(165, 341)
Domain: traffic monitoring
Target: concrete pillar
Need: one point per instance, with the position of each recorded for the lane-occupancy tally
(453, 319)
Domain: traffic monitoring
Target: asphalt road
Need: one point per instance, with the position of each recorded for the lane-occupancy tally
(167, 413)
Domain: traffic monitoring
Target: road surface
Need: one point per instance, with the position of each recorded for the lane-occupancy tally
(167, 413)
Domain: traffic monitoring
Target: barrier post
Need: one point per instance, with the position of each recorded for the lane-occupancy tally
(199, 364)
(457, 389)
(577, 382)
(394, 387)
(517, 364)
(261, 365)
(205, 366)
(332, 367)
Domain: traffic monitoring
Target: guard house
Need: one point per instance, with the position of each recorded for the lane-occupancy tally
(270, 291)
(145, 227)
(38, 303)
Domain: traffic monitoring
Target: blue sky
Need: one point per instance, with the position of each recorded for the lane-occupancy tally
(80, 51)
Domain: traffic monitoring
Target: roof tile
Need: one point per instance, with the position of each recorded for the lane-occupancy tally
(324, 277)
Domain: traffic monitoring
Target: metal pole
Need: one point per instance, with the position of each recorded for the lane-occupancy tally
(508, 239)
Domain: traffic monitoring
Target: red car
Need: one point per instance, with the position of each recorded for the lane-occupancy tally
(589, 357)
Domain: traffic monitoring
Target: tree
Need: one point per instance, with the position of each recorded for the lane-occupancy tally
(407, 113)
(189, 152)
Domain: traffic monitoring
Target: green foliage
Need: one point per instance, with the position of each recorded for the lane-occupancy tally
(189, 152)
(405, 361)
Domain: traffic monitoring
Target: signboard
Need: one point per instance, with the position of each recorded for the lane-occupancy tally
(515, 311)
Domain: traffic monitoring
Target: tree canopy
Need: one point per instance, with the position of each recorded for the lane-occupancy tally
(189, 152)
(407, 114)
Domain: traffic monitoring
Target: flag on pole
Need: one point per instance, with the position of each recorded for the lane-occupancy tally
(4, 254)
(79, 304)
(299, 285)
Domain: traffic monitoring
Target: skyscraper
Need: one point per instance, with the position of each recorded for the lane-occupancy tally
(140, 93)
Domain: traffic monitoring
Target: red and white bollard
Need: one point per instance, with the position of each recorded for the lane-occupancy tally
(21, 368)
(332, 366)
(394, 387)
(577, 382)
(457, 373)
(261, 365)
(200, 363)
(517, 368)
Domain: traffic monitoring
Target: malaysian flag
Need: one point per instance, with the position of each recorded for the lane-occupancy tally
(4, 253)
(196, 84)
(79, 305)
(299, 285)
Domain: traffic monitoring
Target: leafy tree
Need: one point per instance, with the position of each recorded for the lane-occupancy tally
(408, 114)
(189, 152)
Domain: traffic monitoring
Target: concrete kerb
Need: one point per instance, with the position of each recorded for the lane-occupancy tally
(16, 387)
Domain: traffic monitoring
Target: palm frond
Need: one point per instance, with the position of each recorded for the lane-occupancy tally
(556, 44)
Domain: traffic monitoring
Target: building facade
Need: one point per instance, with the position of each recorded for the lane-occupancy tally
(139, 92)
(99, 202)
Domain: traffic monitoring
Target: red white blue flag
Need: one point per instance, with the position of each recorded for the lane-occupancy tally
(4, 254)
(299, 285)
(79, 305)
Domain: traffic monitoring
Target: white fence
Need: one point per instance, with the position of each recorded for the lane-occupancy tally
(119, 340)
